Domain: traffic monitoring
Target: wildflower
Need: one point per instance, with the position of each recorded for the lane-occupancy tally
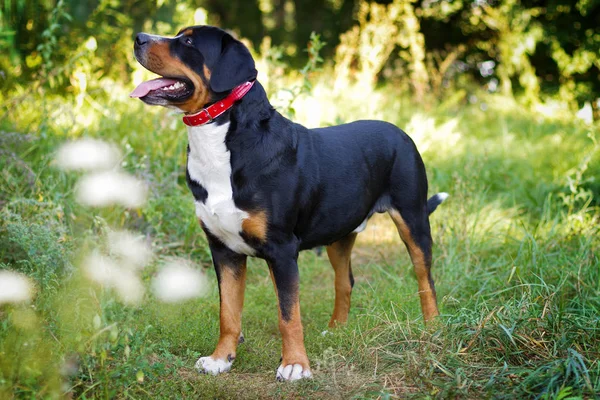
(129, 287)
(106, 188)
(177, 281)
(132, 249)
(101, 269)
(88, 154)
(108, 273)
(14, 287)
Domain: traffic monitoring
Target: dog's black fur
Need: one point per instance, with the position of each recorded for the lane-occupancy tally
(316, 186)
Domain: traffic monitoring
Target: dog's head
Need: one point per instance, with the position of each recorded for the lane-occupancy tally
(197, 66)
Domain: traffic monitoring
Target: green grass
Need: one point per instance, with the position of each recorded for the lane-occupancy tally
(515, 263)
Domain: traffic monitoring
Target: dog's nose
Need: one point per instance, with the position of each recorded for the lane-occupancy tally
(141, 39)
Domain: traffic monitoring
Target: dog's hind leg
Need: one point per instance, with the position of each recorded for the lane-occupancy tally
(339, 256)
(414, 230)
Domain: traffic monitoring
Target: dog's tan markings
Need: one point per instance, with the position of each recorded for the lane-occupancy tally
(161, 62)
(158, 57)
(273, 280)
(231, 291)
(292, 334)
(201, 95)
(339, 256)
(186, 32)
(207, 72)
(422, 268)
(256, 225)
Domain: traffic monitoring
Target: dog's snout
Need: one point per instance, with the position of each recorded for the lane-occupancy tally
(141, 39)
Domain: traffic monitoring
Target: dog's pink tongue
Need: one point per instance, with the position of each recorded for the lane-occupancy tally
(145, 87)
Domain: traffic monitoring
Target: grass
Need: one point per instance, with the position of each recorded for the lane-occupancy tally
(516, 265)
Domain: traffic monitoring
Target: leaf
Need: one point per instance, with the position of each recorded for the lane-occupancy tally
(509, 334)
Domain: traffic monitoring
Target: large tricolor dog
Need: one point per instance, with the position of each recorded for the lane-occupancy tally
(267, 187)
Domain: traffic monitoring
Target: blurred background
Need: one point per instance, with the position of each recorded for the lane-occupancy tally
(534, 50)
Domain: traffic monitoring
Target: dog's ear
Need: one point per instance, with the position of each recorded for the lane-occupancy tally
(234, 67)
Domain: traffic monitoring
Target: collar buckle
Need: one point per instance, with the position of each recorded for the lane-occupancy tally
(210, 118)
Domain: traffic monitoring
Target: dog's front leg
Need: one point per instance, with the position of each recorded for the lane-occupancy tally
(231, 274)
(294, 363)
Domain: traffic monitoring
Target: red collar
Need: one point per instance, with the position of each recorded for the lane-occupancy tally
(208, 114)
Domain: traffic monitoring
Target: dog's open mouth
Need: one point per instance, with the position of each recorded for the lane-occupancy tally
(170, 89)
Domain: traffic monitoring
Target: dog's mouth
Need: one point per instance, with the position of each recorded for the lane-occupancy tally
(157, 91)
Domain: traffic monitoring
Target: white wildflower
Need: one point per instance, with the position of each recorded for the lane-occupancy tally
(129, 287)
(177, 281)
(88, 154)
(106, 188)
(14, 287)
(101, 269)
(108, 273)
(132, 249)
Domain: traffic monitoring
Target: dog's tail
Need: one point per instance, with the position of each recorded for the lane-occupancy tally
(435, 200)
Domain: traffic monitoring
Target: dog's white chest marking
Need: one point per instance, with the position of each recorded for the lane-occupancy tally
(209, 165)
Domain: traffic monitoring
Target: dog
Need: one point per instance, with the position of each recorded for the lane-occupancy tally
(267, 187)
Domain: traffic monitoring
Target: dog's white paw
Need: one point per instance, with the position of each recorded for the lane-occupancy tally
(292, 372)
(208, 365)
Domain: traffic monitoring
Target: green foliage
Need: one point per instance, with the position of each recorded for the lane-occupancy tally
(312, 65)
(31, 233)
(579, 194)
(49, 44)
(429, 48)
(167, 220)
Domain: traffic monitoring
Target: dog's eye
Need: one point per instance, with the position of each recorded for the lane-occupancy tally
(188, 41)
